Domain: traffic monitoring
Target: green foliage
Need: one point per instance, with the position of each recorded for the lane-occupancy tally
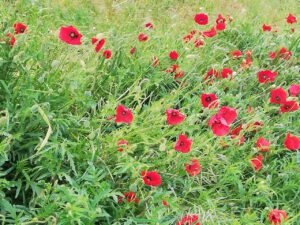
(59, 162)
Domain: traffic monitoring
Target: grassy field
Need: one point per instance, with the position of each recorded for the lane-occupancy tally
(61, 159)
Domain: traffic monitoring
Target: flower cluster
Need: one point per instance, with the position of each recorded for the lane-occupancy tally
(222, 120)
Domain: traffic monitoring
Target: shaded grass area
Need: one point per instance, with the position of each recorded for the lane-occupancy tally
(77, 176)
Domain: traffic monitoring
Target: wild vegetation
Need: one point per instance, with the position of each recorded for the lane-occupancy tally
(149, 112)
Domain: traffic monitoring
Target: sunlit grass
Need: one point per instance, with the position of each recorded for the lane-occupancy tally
(59, 162)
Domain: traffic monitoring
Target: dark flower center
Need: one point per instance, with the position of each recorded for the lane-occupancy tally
(123, 113)
(220, 21)
(287, 107)
(208, 99)
(181, 143)
(148, 178)
(22, 30)
(277, 98)
(274, 218)
(264, 76)
(72, 35)
(174, 114)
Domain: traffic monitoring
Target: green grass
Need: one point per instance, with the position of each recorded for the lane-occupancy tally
(59, 162)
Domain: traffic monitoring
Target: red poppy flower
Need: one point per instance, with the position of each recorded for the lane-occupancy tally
(210, 73)
(201, 19)
(188, 38)
(189, 220)
(266, 76)
(257, 124)
(19, 28)
(266, 27)
(123, 115)
(193, 32)
(220, 21)
(262, 144)
(257, 162)
(254, 126)
(172, 68)
(120, 199)
(236, 54)
(289, 106)
(107, 54)
(221, 26)
(12, 39)
(285, 54)
(210, 33)
(246, 63)
(193, 168)
(151, 178)
(94, 40)
(155, 61)
(183, 144)
(248, 53)
(165, 203)
(221, 121)
(174, 116)
(100, 44)
(226, 72)
(294, 90)
(278, 96)
(209, 100)
(143, 37)
(292, 142)
(229, 114)
(272, 55)
(130, 197)
(276, 216)
(173, 55)
(70, 35)
(178, 75)
(291, 19)
(121, 144)
(132, 50)
(237, 130)
(149, 25)
(219, 125)
(198, 43)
